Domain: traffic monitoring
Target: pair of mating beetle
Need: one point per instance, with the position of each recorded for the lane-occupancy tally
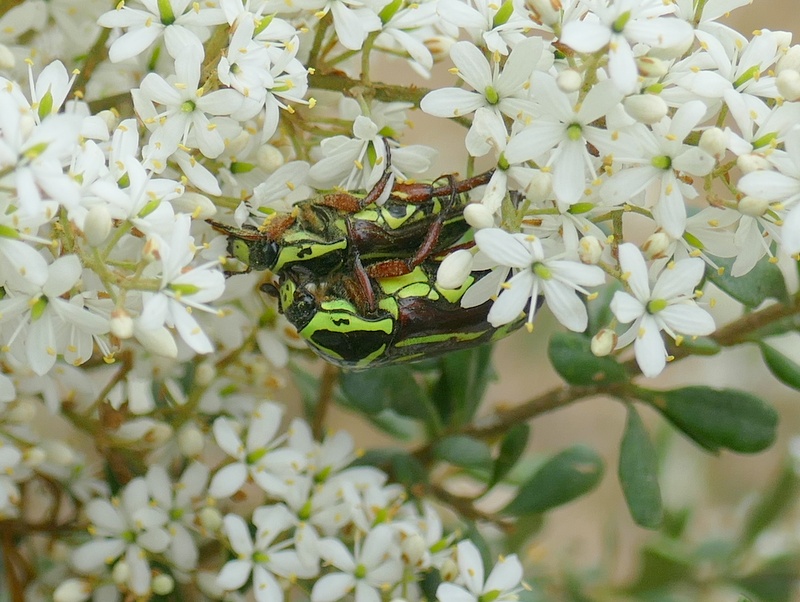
(356, 272)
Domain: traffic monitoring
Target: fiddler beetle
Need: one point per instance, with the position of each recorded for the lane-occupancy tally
(391, 238)
(414, 318)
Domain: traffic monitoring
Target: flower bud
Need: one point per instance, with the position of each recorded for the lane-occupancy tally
(190, 441)
(454, 270)
(22, 412)
(590, 249)
(569, 81)
(162, 584)
(540, 187)
(205, 373)
(97, 225)
(548, 11)
(59, 452)
(269, 158)
(210, 519)
(413, 549)
(646, 108)
(158, 341)
(604, 342)
(788, 82)
(448, 570)
(439, 47)
(714, 141)
(7, 60)
(34, 456)
(121, 572)
(478, 216)
(72, 590)
(751, 162)
(752, 206)
(790, 60)
(656, 245)
(650, 66)
(158, 434)
(121, 324)
(783, 39)
(109, 118)
(195, 204)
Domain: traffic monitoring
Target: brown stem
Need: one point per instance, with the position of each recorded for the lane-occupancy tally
(467, 509)
(735, 333)
(96, 55)
(10, 554)
(330, 375)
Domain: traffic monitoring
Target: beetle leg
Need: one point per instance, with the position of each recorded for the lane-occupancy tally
(419, 192)
(386, 179)
(399, 267)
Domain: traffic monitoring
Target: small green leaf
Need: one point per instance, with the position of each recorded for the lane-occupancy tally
(564, 477)
(718, 418)
(407, 470)
(701, 345)
(511, 448)
(764, 281)
(465, 374)
(774, 503)
(391, 388)
(464, 451)
(571, 355)
(638, 473)
(785, 369)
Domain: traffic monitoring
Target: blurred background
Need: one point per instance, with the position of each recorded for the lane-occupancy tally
(718, 488)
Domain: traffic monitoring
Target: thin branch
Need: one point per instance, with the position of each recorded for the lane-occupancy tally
(467, 509)
(330, 375)
(735, 333)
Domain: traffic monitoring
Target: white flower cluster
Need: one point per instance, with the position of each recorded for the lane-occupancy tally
(138, 123)
(623, 111)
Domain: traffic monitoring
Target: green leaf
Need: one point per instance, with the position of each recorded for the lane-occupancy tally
(407, 470)
(718, 418)
(600, 314)
(391, 388)
(638, 473)
(785, 369)
(571, 355)
(511, 448)
(775, 582)
(561, 479)
(465, 374)
(774, 503)
(764, 281)
(464, 451)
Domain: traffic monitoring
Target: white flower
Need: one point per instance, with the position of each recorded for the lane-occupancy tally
(561, 133)
(258, 457)
(503, 92)
(621, 24)
(501, 585)
(182, 289)
(33, 156)
(659, 157)
(184, 120)
(670, 307)
(740, 80)
(54, 324)
(262, 557)
(182, 23)
(352, 20)
(347, 162)
(369, 570)
(557, 279)
(131, 528)
(178, 501)
(497, 25)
